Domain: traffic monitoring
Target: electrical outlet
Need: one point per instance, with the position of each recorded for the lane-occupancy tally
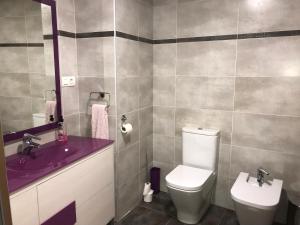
(68, 81)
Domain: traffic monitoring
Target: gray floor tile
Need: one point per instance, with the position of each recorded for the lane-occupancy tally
(174, 221)
(161, 203)
(213, 216)
(161, 211)
(144, 216)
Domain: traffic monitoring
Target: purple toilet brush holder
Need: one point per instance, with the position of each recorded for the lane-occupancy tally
(155, 179)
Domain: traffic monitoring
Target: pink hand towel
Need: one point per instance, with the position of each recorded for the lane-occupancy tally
(50, 111)
(99, 121)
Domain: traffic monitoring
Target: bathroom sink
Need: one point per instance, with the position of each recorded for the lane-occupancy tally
(42, 159)
(22, 170)
(24, 163)
(246, 190)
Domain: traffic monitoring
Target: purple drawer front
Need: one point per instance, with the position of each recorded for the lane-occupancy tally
(66, 216)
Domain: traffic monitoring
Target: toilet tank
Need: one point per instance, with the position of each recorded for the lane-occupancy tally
(200, 147)
(38, 119)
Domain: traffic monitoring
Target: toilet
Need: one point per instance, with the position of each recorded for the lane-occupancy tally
(191, 185)
(38, 119)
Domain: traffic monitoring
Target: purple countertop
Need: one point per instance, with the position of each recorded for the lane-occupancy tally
(23, 170)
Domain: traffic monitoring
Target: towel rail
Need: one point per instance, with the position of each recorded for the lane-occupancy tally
(101, 94)
(53, 92)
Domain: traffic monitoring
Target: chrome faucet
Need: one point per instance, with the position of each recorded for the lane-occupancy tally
(261, 172)
(28, 144)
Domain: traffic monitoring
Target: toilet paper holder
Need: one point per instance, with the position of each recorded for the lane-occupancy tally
(123, 119)
(125, 128)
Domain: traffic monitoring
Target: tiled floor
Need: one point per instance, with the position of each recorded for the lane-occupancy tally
(162, 212)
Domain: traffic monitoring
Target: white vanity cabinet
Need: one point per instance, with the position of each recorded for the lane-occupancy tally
(24, 208)
(89, 182)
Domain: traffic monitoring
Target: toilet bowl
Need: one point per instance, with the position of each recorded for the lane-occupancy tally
(191, 191)
(255, 204)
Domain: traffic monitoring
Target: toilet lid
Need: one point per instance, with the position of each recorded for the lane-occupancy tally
(188, 178)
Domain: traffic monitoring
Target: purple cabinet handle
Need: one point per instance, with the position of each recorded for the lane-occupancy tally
(67, 216)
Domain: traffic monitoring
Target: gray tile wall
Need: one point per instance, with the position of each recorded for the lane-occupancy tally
(134, 85)
(124, 69)
(95, 59)
(68, 65)
(249, 89)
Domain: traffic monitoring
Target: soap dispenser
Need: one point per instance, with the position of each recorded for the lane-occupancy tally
(61, 132)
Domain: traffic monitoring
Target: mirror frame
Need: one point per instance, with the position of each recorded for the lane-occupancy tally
(4, 194)
(50, 126)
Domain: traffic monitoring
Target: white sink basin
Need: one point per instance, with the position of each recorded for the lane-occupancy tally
(247, 191)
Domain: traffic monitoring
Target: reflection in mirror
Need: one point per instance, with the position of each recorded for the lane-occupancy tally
(27, 74)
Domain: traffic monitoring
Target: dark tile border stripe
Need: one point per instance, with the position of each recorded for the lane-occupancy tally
(165, 41)
(48, 37)
(82, 35)
(146, 40)
(208, 38)
(287, 33)
(230, 37)
(197, 39)
(133, 37)
(95, 34)
(211, 38)
(66, 34)
(21, 44)
(101, 34)
(127, 36)
(35, 45)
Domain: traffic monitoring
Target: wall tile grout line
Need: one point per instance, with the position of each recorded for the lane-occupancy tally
(175, 91)
(237, 112)
(264, 150)
(234, 106)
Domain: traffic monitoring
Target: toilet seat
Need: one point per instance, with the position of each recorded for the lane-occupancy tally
(188, 178)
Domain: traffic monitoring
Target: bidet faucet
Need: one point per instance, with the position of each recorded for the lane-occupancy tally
(28, 144)
(261, 172)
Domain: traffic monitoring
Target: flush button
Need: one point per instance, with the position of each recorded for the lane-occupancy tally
(200, 128)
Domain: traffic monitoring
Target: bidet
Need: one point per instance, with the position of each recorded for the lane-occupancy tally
(261, 175)
(255, 202)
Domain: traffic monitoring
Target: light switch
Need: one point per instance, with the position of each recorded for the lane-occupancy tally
(68, 81)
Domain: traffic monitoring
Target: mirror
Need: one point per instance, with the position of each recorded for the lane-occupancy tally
(29, 70)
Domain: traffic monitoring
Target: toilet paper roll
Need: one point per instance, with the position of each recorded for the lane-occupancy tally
(148, 197)
(126, 128)
(147, 188)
